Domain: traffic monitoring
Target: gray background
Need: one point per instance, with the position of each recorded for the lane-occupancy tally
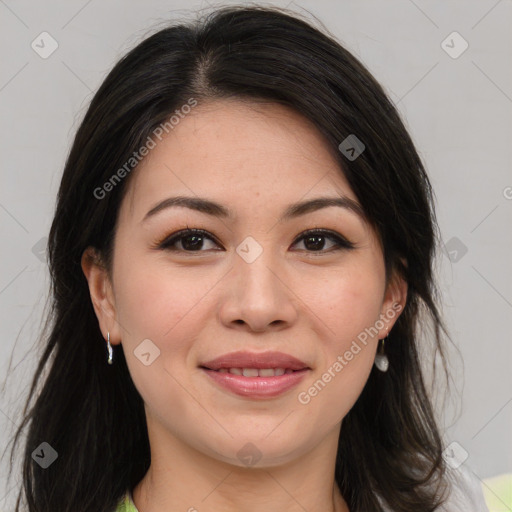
(458, 111)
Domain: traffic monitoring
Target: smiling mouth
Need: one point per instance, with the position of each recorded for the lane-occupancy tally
(254, 372)
(256, 383)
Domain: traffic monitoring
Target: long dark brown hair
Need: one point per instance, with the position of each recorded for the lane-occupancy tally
(390, 450)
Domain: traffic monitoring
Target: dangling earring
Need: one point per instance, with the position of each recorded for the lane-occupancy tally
(381, 359)
(109, 346)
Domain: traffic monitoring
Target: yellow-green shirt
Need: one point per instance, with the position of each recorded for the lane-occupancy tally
(126, 504)
(496, 495)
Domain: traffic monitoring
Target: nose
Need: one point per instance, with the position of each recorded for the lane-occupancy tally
(258, 296)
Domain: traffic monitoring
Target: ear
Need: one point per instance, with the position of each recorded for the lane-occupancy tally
(393, 304)
(102, 294)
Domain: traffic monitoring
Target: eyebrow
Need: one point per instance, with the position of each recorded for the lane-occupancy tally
(294, 210)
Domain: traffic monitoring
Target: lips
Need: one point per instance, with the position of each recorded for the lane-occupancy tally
(256, 376)
(254, 360)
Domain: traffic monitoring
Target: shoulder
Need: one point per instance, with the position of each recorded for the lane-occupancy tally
(126, 504)
(466, 492)
(498, 491)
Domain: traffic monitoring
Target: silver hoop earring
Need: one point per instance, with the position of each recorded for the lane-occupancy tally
(381, 359)
(109, 346)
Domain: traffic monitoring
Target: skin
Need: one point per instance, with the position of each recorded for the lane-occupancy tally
(309, 302)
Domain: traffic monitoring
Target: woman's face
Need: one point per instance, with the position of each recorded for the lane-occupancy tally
(252, 282)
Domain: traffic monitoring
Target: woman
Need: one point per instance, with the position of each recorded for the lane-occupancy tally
(246, 222)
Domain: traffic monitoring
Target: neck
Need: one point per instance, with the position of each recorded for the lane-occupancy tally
(181, 478)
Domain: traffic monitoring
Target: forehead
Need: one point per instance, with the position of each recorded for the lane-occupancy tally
(247, 153)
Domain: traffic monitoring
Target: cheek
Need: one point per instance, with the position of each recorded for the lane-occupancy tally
(348, 306)
(156, 304)
(153, 301)
(346, 302)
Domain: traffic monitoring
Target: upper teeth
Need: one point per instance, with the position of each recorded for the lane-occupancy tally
(256, 372)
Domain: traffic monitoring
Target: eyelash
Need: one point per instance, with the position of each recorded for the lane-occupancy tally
(341, 242)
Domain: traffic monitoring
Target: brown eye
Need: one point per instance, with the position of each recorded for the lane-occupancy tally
(191, 240)
(194, 240)
(314, 241)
